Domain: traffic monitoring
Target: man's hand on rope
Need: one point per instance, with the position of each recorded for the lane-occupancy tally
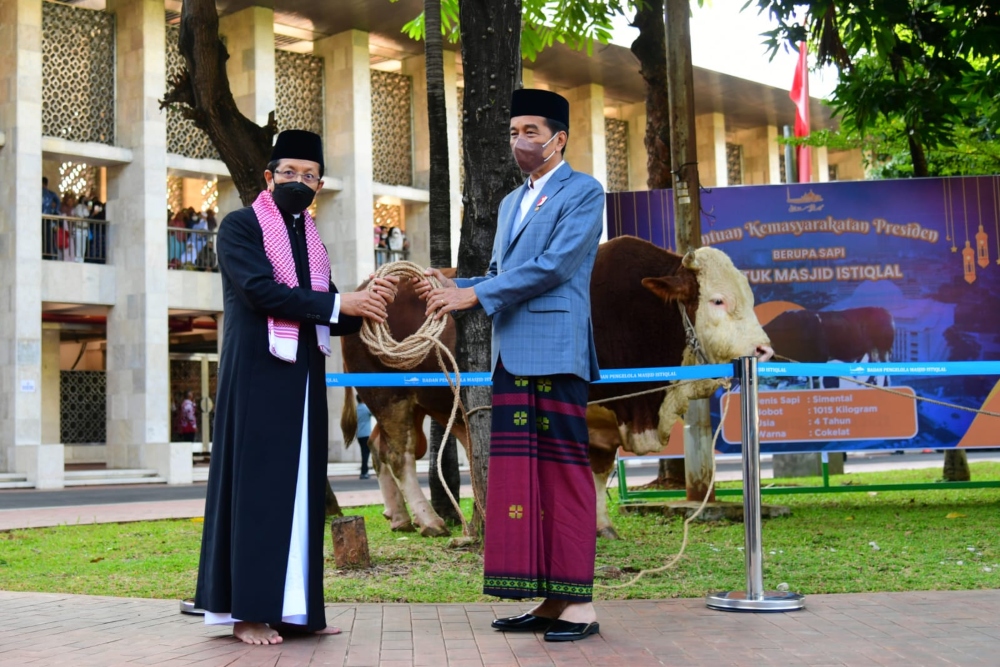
(446, 298)
(372, 302)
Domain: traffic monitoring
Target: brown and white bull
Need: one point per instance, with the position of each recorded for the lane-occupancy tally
(637, 293)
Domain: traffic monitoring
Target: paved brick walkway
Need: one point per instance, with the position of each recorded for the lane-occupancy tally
(904, 629)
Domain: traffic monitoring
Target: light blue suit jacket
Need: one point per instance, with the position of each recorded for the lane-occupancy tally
(537, 289)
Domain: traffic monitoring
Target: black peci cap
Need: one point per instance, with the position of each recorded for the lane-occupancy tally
(298, 145)
(544, 103)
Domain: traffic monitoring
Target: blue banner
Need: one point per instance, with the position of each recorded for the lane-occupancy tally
(617, 375)
(850, 276)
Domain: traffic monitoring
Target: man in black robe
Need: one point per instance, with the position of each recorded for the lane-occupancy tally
(261, 562)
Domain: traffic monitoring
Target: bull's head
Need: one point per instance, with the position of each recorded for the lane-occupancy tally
(718, 300)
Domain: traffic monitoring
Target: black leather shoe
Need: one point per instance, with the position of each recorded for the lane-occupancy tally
(522, 623)
(564, 631)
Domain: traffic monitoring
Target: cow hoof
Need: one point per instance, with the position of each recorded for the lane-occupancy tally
(435, 531)
(407, 527)
(608, 533)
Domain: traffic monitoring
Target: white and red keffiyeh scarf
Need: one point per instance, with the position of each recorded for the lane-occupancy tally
(283, 335)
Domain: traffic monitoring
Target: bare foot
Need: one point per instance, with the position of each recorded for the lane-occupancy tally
(256, 633)
(579, 612)
(328, 630)
(549, 609)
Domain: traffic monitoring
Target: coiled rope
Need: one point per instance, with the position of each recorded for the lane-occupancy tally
(411, 351)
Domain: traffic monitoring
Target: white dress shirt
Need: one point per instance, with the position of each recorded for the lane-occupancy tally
(530, 197)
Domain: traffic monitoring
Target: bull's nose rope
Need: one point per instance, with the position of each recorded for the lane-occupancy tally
(411, 351)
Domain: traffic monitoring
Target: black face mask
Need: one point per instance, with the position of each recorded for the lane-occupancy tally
(292, 198)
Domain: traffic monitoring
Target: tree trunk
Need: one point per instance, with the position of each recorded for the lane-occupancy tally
(687, 212)
(491, 60)
(332, 505)
(449, 465)
(203, 95)
(437, 116)
(440, 231)
(350, 543)
(650, 47)
(956, 466)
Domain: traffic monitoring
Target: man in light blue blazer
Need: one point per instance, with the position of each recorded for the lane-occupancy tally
(540, 525)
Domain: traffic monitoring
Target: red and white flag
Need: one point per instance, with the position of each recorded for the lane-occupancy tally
(800, 95)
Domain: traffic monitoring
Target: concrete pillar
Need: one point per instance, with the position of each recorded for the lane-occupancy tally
(638, 163)
(50, 387)
(821, 164)
(587, 150)
(229, 198)
(21, 448)
(806, 465)
(761, 165)
(249, 37)
(417, 215)
(348, 215)
(710, 129)
(138, 432)
(346, 218)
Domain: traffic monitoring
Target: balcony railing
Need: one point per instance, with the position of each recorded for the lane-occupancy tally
(385, 255)
(191, 249)
(74, 239)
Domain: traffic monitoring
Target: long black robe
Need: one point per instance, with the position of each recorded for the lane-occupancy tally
(258, 432)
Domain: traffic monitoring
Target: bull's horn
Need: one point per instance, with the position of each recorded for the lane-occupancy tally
(690, 260)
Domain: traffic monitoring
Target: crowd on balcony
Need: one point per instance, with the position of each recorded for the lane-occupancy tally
(191, 240)
(73, 228)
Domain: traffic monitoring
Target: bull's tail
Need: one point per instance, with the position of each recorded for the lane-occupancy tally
(349, 417)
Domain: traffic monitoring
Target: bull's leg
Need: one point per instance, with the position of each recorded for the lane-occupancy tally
(395, 505)
(605, 439)
(405, 471)
(604, 527)
(401, 437)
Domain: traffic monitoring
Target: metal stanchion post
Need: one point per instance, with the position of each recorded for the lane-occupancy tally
(754, 598)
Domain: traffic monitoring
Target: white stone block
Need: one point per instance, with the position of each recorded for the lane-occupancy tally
(43, 465)
(171, 460)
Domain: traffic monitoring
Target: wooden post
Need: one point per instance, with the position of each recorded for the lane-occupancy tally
(350, 543)
(687, 212)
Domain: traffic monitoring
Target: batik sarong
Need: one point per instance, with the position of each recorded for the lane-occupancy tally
(541, 510)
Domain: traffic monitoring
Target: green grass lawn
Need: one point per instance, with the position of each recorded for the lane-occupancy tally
(832, 543)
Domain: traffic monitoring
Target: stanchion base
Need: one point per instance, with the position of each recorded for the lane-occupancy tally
(187, 607)
(769, 601)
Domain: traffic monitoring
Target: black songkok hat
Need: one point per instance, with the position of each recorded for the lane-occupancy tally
(544, 103)
(298, 145)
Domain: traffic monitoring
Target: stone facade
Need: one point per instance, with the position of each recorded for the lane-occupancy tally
(145, 147)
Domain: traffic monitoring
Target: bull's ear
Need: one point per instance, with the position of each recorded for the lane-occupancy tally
(672, 288)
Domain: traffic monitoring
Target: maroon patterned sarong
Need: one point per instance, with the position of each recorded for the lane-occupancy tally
(541, 528)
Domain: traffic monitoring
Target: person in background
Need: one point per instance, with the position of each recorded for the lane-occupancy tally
(190, 256)
(187, 419)
(80, 238)
(364, 432)
(50, 206)
(96, 234)
(207, 258)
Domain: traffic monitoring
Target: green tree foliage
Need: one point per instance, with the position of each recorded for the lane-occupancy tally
(926, 71)
(578, 23)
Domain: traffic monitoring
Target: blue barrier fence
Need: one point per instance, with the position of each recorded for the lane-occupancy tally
(669, 374)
